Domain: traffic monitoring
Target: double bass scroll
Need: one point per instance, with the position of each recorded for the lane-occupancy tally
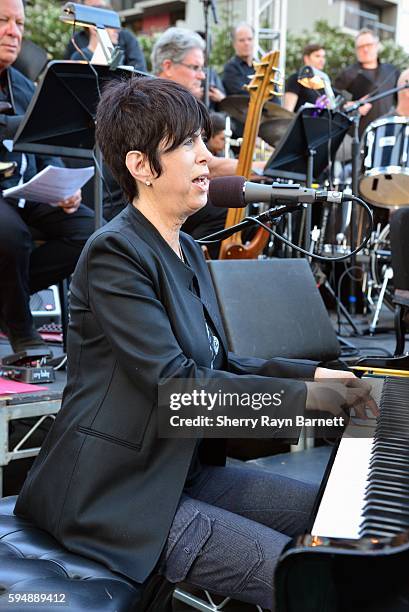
(264, 84)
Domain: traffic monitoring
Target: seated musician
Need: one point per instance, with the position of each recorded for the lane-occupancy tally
(239, 68)
(64, 227)
(217, 141)
(296, 94)
(143, 311)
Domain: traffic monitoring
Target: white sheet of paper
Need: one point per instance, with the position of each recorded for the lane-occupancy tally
(51, 185)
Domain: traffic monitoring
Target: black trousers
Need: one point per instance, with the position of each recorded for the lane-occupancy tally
(25, 268)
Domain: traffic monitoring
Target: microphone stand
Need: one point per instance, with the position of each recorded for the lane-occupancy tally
(206, 5)
(273, 215)
(356, 163)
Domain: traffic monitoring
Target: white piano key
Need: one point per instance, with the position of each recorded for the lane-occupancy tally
(339, 514)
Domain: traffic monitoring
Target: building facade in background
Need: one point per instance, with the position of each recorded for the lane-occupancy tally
(389, 18)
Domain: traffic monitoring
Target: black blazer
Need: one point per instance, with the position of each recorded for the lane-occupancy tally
(104, 484)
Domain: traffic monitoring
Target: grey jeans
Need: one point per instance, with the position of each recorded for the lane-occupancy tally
(230, 529)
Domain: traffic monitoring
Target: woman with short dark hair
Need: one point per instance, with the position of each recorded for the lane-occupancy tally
(143, 316)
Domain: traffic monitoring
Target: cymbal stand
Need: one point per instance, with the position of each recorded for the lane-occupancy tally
(322, 279)
(388, 276)
(227, 136)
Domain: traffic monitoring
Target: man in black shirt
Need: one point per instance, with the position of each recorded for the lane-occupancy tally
(296, 94)
(368, 76)
(238, 69)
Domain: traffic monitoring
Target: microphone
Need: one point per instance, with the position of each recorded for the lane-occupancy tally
(236, 192)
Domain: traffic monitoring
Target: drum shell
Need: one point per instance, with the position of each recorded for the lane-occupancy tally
(385, 180)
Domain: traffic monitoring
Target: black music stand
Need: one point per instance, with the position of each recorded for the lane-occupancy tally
(302, 154)
(60, 119)
(310, 130)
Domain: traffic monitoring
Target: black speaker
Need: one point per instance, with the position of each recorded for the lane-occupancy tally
(272, 308)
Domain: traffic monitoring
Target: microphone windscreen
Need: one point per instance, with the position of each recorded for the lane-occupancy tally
(227, 191)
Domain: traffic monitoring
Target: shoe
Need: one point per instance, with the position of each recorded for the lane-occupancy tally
(21, 343)
(25, 343)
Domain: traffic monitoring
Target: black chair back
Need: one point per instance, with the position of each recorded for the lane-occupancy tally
(272, 308)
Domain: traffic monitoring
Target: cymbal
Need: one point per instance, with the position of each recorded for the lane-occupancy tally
(236, 106)
(273, 130)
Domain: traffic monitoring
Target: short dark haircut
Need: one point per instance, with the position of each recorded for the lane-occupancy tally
(140, 114)
(312, 48)
(218, 121)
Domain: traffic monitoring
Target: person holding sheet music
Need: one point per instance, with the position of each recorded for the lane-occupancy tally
(63, 228)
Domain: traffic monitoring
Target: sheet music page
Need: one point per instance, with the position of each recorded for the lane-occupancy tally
(51, 185)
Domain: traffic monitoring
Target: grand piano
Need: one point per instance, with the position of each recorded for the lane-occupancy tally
(356, 556)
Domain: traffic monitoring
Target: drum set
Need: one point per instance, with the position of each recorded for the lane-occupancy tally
(383, 183)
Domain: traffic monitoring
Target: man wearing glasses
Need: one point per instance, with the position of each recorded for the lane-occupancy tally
(368, 76)
(178, 55)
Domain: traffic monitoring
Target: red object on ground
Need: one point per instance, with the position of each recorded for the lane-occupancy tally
(8, 387)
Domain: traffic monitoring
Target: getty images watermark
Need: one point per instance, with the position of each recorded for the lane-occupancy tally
(247, 407)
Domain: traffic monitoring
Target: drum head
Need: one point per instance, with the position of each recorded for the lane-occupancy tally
(386, 189)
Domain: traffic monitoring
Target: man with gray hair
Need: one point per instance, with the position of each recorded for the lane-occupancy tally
(178, 55)
(368, 76)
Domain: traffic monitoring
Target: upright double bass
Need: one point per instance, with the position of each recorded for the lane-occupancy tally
(264, 84)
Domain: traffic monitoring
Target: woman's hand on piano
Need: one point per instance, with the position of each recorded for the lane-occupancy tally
(350, 380)
(325, 373)
(338, 395)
